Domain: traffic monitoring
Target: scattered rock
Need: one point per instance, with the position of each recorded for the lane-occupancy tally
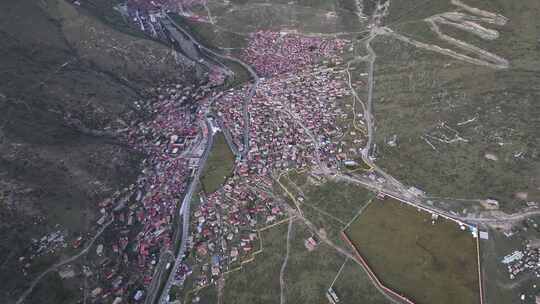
(490, 204)
(491, 156)
(393, 141)
(521, 195)
(66, 272)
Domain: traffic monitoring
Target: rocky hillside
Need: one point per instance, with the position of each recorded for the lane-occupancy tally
(66, 80)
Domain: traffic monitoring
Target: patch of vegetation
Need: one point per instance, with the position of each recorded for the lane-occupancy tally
(211, 36)
(241, 75)
(328, 205)
(309, 274)
(105, 11)
(218, 166)
(339, 199)
(207, 295)
(131, 59)
(59, 59)
(215, 38)
(428, 263)
(305, 16)
(351, 289)
(258, 281)
(417, 90)
(405, 11)
(53, 290)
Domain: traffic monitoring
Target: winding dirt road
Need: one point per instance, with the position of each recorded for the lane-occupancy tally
(34, 283)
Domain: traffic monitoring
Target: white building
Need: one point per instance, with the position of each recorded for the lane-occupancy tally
(514, 256)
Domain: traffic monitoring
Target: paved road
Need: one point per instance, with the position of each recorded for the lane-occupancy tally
(391, 186)
(247, 67)
(158, 276)
(185, 213)
(184, 210)
(400, 193)
(245, 109)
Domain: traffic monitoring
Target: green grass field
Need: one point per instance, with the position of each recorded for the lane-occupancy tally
(258, 282)
(330, 205)
(338, 199)
(206, 295)
(219, 165)
(309, 274)
(54, 290)
(217, 38)
(428, 263)
(306, 16)
(416, 90)
(350, 289)
(211, 36)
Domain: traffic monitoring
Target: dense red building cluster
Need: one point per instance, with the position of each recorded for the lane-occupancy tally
(288, 114)
(273, 53)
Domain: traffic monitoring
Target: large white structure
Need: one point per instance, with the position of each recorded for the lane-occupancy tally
(514, 256)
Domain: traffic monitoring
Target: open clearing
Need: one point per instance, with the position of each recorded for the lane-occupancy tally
(219, 166)
(428, 263)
